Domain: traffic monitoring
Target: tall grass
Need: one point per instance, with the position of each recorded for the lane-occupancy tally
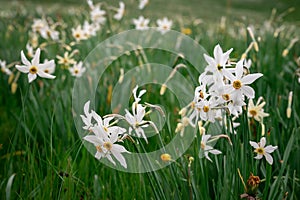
(42, 156)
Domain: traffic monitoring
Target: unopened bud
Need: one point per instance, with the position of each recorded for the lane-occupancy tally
(165, 157)
(285, 52)
(163, 89)
(14, 87)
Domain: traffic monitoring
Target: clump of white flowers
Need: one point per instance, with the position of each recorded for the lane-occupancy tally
(104, 134)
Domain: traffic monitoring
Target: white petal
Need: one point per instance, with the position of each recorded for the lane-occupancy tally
(120, 158)
(110, 159)
(92, 139)
(215, 151)
(248, 91)
(254, 144)
(270, 148)
(31, 77)
(23, 68)
(46, 65)
(24, 59)
(251, 78)
(119, 148)
(209, 60)
(86, 108)
(239, 69)
(229, 75)
(259, 156)
(269, 158)
(262, 142)
(45, 75)
(36, 59)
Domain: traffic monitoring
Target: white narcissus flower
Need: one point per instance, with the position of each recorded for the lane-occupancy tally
(216, 64)
(4, 69)
(66, 60)
(98, 15)
(208, 149)
(141, 23)
(120, 11)
(239, 83)
(50, 69)
(164, 25)
(77, 69)
(136, 120)
(34, 67)
(142, 4)
(105, 145)
(207, 112)
(256, 111)
(261, 150)
(79, 33)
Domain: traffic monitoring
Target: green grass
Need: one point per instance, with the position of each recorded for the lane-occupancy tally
(43, 154)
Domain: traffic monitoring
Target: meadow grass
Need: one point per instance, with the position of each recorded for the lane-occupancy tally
(42, 156)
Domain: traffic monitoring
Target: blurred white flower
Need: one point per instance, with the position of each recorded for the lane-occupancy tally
(141, 23)
(77, 69)
(66, 60)
(30, 51)
(256, 111)
(261, 150)
(164, 25)
(208, 149)
(143, 3)
(79, 33)
(34, 67)
(4, 69)
(98, 15)
(120, 11)
(90, 29)
(49, 69)
(39, 25)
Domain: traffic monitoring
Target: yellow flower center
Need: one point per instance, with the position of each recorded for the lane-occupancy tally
(99, 149)
(201, 95)
(76, 71)
(165, 157)
(105, 129)
(205, 108)
(33, 70)
(237, 84)
(219, 67)
(46, 71)
(260, 150)
(226, 97)
(107, 145)
(77, 35)
(202, 145)
(253, 112)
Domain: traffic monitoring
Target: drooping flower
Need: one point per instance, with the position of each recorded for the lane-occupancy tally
(208, 149)
(261, 150)
(120, 11)
(164, 25)
(141, 23)
(35, 68)
(77, 69)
